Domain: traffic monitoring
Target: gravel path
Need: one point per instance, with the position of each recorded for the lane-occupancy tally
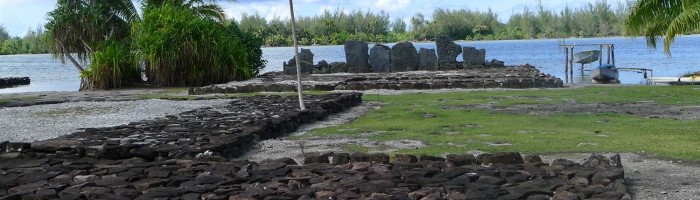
(41, 122)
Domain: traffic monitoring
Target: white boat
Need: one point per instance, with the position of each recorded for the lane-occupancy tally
(692, 80)
(586, 57)
(606, 73)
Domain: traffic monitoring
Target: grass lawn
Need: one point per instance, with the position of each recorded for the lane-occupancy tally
(454, 129)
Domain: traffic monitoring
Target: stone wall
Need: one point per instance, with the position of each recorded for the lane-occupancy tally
(502, 77)
(227, 130)
(505, 175)
(14, 81)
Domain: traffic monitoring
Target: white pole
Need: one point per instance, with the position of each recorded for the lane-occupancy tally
(296, 57)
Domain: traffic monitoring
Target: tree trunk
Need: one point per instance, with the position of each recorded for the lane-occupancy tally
(85, 82)
(296, 56)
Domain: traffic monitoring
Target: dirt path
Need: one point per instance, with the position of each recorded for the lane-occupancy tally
(648, 177)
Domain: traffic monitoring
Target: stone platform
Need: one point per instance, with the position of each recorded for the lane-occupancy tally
(525, 76)
(14, 81)
(348, 176)
(226, 131)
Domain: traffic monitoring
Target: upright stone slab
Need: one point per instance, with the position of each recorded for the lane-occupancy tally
(447, 52)
(356, 56)
(380, 58)
(473, 58)
(306, 61)
(427, 60)
(404, 57)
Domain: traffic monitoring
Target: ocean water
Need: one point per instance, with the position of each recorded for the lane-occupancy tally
(45, 73)
(48, 74)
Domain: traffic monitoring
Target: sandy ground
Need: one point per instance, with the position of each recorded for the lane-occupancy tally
(647, 177)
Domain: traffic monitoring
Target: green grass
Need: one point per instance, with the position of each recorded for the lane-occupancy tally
(24, 98)
(457, 130)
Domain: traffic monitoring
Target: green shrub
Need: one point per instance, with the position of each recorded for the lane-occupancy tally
(183, 49)
(111, 65)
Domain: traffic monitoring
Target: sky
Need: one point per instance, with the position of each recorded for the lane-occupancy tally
(18, 16)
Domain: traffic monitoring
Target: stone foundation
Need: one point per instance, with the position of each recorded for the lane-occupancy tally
(14, 81)
(496, 77)
(347, 176)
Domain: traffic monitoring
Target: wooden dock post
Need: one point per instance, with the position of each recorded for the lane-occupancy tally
(609, 48)
(600, 61)
(571, 64)
(612, 46)
(566, 63)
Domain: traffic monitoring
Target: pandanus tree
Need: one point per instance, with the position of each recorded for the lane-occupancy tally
(77, 27)
(115, 40)
(654, 19)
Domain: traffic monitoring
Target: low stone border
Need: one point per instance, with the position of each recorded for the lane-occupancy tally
(14, 81)
(226, 131)
(347, 176)
(503, 77)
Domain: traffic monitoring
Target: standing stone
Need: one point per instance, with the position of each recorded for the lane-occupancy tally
(473, 58)
(356, 56)
(427, 60)
(447, 52)
(404, 57)
(380, 58)
(306, 63)
(339, 67)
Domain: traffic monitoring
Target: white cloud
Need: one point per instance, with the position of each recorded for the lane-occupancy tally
(392, 5)
(267, 10)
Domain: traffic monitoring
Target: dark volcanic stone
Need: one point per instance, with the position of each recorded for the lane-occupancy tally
(207, 178)
(447, 52)
(365, 157)
(322, 68)
(532, 159)
(427, 60)
(461, 160)
(55, 145)
(405, 158)
(356, 56)
(502, 158)
(473, 58)
(404, 57)
(339, 67)
(340, 158)
(380, 58)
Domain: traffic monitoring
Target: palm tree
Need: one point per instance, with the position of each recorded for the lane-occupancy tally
(205, 8)
(296, 56)
(663, 18)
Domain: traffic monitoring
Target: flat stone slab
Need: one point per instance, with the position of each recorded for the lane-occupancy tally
(525, 76)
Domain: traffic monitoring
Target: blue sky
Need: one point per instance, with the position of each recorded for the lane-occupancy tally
(19, 15)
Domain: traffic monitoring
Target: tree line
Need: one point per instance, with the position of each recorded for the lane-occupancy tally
(599, 19)
(33, 42)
